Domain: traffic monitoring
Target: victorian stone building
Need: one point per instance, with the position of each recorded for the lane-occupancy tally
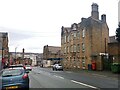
(4, 49)
(52, 54)
(85, 43)
(114, 50)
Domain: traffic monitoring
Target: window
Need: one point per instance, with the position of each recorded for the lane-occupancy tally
(68, 38)
(71, 48)
(78, 34)
(74, 27)
(74, 47)
(83, 33)
(74, 59)
(83, 61)
(12, 72)
(62, 40)
(68, 49)
(74, 34)
(65, 39)
(65, 50)
(78, 48)
(71, 36)
(83, 47)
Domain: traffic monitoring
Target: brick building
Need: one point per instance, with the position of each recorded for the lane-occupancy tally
(85, 43)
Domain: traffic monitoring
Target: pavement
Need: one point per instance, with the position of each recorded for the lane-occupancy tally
(95, 72)
(98, 73)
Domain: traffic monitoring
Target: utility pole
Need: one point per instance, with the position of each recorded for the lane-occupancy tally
(23, 53)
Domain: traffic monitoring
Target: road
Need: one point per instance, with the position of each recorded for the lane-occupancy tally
(46, 78)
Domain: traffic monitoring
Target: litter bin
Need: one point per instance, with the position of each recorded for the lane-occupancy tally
(115, 67)
(89, 67)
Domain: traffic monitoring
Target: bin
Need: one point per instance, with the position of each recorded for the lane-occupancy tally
(89, 67)
(115, 67)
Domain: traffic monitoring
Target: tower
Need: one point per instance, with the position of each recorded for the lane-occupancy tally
(95, 13)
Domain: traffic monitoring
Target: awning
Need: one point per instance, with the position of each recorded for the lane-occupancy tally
(55, 59)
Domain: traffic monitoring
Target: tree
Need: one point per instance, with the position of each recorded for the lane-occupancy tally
(118, 33)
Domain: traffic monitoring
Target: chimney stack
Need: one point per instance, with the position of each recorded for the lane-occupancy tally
(103, 18)
(95, 13)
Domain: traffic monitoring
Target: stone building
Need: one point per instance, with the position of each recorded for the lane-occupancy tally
(114, 50)
(4, 49)
(85, 43)
(52, 54)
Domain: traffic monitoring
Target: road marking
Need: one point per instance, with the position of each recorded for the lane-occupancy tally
(84, 84)
(59, 76)
(99, 75)
(69, 72)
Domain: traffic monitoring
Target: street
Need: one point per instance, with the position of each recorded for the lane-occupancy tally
(47, 78)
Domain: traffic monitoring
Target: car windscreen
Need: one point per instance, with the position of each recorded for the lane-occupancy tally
(12, 72)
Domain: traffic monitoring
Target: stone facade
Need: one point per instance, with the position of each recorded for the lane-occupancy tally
(52, 53)
(114, 50)
(82, 43)
(4, 49)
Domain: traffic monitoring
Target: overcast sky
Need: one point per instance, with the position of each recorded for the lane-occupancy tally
(31, 24)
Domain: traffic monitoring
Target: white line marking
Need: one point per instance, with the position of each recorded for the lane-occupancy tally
(99, 75)
(69, 72)
(84, 84)
(59, 76)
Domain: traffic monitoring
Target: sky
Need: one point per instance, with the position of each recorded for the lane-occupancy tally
(32, 24)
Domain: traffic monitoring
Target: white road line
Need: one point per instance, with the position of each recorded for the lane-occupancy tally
(59, 76)
(99, 75)
(84, 84)
(69, 72)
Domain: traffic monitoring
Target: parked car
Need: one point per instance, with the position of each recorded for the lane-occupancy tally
(14, 79)
(57, 67)
(28, 67)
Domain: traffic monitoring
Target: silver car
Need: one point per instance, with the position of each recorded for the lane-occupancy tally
(57, 67)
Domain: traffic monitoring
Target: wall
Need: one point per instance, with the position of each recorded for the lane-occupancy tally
(114, 51)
